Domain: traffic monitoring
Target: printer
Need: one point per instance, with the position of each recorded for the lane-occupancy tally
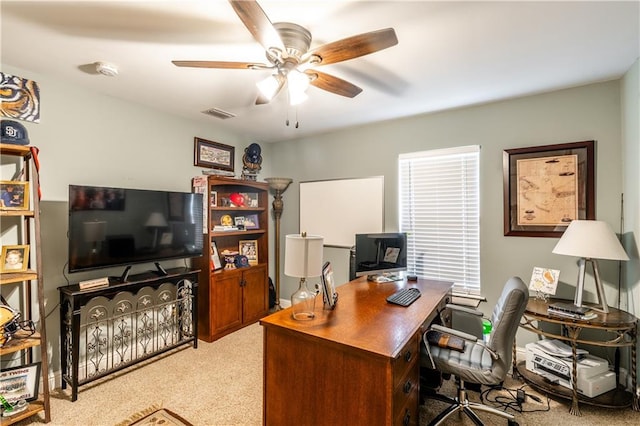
(552, 359)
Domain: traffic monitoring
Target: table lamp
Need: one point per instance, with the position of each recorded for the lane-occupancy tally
(590, 240)
(303, 259)
(155, 222)
(278, 185)
(95, 233)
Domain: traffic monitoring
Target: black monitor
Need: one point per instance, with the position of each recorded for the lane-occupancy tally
(380, 253)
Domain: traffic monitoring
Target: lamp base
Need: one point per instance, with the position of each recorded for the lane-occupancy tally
(602, 301)
(303, 302)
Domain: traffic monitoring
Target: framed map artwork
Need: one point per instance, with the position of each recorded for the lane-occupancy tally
(546, 187)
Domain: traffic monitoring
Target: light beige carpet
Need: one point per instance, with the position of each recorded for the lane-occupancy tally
(220, 384)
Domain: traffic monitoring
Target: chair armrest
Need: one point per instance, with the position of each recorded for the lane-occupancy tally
(465, 336)
(463, 309)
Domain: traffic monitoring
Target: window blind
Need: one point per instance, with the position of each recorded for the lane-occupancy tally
(440, 212)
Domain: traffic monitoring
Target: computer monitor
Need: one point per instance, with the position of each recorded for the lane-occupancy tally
(380, 253)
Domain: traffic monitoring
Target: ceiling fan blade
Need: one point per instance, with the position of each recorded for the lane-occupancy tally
(221, 64)
(258, 24)
(333, 84)
(353, 47)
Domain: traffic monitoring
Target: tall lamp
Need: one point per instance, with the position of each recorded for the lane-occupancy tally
(278, 186)
(590, 240)
(303, 259)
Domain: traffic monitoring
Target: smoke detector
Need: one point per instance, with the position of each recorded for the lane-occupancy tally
(105, 68)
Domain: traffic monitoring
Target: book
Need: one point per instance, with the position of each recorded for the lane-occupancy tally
(445, 340)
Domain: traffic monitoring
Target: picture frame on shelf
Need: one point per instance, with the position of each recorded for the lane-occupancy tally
(20, 383)
(15, 258)
(251, 221)
(239, 222)
(250, 199)
(249, 248)
(214, 199)
(215, 256)
(213, 155)
(14, 195)
(546, 187)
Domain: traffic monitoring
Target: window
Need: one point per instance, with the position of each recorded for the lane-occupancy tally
(440, 211)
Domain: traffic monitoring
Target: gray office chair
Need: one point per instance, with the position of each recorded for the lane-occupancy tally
(479, 363)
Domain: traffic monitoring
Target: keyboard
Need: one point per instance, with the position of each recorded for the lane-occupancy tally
(404, 297)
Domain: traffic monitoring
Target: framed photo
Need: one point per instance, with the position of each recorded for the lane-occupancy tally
(329, 294)
(214, 199)
(14, 258)
(249, 248)
(215, 257)
(20, 383)
(251, 221)
(250, 199)
(214, 155)
(14, 195)
(546, 187)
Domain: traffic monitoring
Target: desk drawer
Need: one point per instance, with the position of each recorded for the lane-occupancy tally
(407, 414)
(406, 359)
(406, 386)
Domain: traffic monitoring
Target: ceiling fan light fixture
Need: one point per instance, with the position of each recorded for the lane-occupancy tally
(270, 86)
(297, 83)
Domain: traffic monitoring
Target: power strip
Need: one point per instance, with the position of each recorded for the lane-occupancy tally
(95, 283)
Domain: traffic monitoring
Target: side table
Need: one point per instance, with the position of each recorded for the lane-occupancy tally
(621, 331)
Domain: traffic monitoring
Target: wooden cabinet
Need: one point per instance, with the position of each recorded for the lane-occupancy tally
(21, 226)
(230, 299)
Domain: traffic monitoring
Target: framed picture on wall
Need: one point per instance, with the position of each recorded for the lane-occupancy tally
(546, 187)
(213, 155)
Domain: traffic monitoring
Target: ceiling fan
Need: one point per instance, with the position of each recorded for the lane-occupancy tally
(287, 50)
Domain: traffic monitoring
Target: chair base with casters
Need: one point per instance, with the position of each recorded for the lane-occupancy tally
(461, 404)
(474, 361)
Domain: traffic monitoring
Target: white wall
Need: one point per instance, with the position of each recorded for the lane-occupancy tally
(88, 138)
(585, 113)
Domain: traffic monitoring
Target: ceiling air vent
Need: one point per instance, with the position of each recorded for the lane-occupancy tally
(218, 113)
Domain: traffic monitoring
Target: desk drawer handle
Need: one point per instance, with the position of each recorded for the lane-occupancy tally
(407, 418)
(407, 356)
(407, 387)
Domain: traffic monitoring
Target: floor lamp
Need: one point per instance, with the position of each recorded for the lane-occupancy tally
(278, 186)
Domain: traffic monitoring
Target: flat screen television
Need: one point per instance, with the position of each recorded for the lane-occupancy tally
(120, 227)
(380, 253)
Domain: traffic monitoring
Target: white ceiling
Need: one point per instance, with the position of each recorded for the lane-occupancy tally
(450, 54)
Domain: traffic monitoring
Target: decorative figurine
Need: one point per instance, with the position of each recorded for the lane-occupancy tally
(252, 162)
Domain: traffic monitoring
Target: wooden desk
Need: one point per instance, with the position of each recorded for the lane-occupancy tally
(357, 364)
(621, 328)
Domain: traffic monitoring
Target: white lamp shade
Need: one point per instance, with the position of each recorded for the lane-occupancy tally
(156, 220)
(303, 256)
(591, 239)
(94, 231)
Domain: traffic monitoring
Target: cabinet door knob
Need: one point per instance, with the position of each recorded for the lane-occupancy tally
(407, 356)
(407, 387)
